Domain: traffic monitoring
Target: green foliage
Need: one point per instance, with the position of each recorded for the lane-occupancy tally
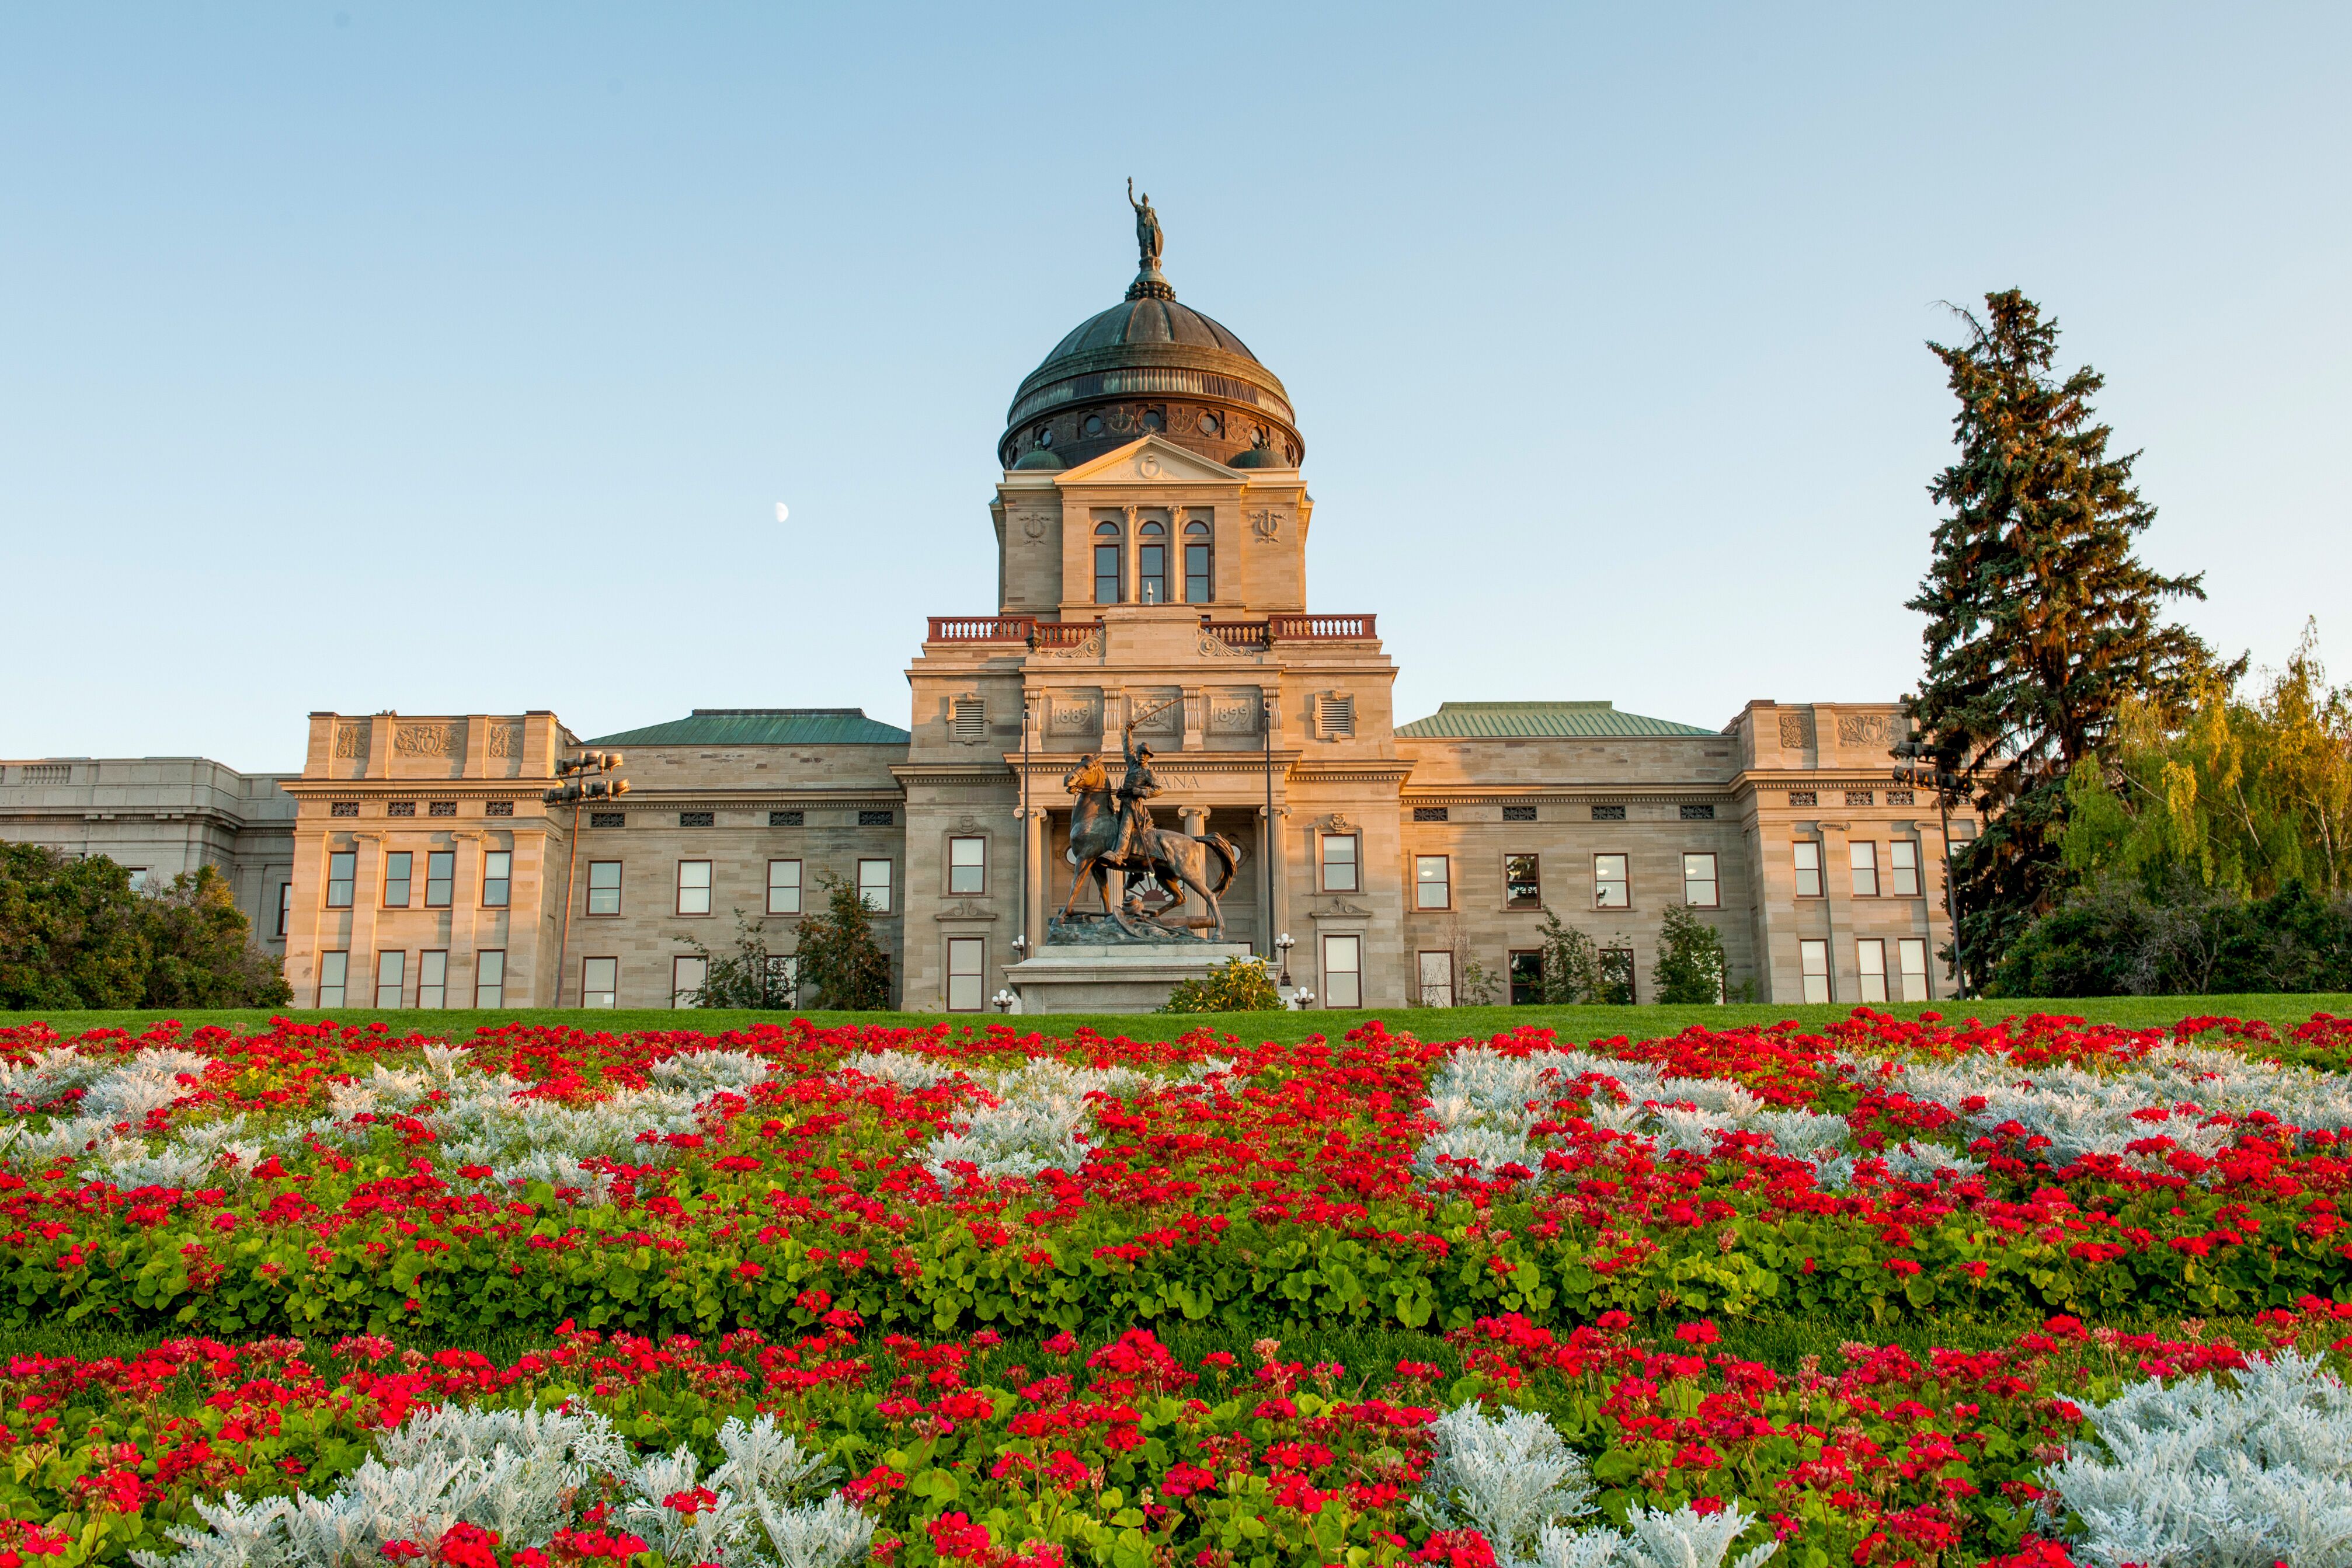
(839, 957)
(750, 976)
(74, 934)
(2245, 794)
(2041, 624)
(1690, 967)
(1237, 985)
(1572, 965)
(2119, 937)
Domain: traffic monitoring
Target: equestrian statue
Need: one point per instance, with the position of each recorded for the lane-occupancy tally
(1111, 831)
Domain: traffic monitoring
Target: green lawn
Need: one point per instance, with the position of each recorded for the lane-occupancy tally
(1576, 1023)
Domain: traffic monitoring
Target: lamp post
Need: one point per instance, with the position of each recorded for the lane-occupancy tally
(1303, 998)
(583, 787)
(1948, 786)
(1282, 945)
(1004, 1000)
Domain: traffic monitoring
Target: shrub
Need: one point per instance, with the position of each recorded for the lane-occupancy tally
(1690, 959)
(1235, 986)
(839, 958)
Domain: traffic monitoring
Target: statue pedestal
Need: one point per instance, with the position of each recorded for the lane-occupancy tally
(1112, 977)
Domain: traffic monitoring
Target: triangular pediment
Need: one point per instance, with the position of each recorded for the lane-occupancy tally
(1150, 460)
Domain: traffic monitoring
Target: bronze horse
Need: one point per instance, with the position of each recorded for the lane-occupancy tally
(1177, 861)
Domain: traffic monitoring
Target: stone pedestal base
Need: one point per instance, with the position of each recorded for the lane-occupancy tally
(1122, 977)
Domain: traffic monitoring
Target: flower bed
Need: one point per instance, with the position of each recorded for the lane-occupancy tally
(953, 1265)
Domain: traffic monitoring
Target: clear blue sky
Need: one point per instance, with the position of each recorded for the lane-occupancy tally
(453, 358)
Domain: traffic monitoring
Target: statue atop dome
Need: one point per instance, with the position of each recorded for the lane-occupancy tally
(1147, 235)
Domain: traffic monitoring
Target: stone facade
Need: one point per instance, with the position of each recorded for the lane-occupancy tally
(160, 816)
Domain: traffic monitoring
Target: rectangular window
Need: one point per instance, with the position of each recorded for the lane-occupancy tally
(1870, 965)
(440, 877)
(1608, 813)
(1523, 881)
(1433, 882)
(391, 970)
(138, 878)
(1612, 888)
(498, 875)
(433, 979)
(881, 819)
(1437, 979)
(603, 887)
(1340, 864)
(595, 818)
(1700, 890)
(600, 982)
(1813, 962)
(1913, 952)
(396, 867)
(696, 819)
(783, 981)
(343, 870)
(498, 809)
(689, 972)
(1808, 867)
(693, 887)
(332, 969)
(873, 885)
(1902, 867)
(967, 865)
(1430, 813)
(1527, 978)
(967, 981)
(1518, 813)
(783, 887)
(1107, 574)
(285, 905)
(1343, 971)
(1617, 976)
(1196, 571)
(1864, 856)
(787, 819)
(490, 978)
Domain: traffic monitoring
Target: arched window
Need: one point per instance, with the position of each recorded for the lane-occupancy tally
(1200, 583)
(1152, 564)
(1107, 563)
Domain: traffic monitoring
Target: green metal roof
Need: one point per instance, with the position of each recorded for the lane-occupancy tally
(1531, 721)
(764, 727)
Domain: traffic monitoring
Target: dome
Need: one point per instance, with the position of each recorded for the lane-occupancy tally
(1147, 366)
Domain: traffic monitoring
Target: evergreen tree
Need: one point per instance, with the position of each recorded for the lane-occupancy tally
(839, 957)
(1690, 959)
(2041, 621)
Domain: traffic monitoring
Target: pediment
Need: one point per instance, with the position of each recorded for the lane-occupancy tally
(1150, 460)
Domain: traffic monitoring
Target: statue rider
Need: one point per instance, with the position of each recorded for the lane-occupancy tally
(1139, 786)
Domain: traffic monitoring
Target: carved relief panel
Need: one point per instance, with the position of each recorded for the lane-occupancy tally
(1074, 712)
(1234, 710)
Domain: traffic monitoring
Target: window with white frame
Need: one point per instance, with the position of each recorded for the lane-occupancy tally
(396, 867)
(1863, 856)
(1870, 968)
(433, 978)
(333, 969)
(967, 865)
(343, 870)
(693, 887)
(1340, 863)
(1343, 971)
(603, 887)
(1813, 964)
(1613, 886)
(1700, 890)
(391, 976)
(498, 878)
(783, 887)
(285, 905)
(688, 973)
(440, 877)
(783, 981)
(873, 885)
(1912, 951)
(1437, 979)
(490, 978)
(600, 982)
(1433, 882)
(1902, 867)
(1808, 853)
(966, 975)
(138, 878)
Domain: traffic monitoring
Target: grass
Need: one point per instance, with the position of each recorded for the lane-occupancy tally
(1571, 1023)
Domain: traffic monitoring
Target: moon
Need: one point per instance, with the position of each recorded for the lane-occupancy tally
(782, 512)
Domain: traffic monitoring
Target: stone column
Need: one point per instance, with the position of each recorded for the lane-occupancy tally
(1837, 889)
(1034, 839)
(464, 911)
(367, 897)
(1194, 817)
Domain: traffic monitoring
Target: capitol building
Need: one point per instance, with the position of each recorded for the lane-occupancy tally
(1151, 513)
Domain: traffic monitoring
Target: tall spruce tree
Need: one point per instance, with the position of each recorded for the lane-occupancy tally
(2041, 621)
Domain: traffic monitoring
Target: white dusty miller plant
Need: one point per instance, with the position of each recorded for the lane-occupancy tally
(520, 1473)
(1508, 1476)
(1656, 1538)
(2205, 1474)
